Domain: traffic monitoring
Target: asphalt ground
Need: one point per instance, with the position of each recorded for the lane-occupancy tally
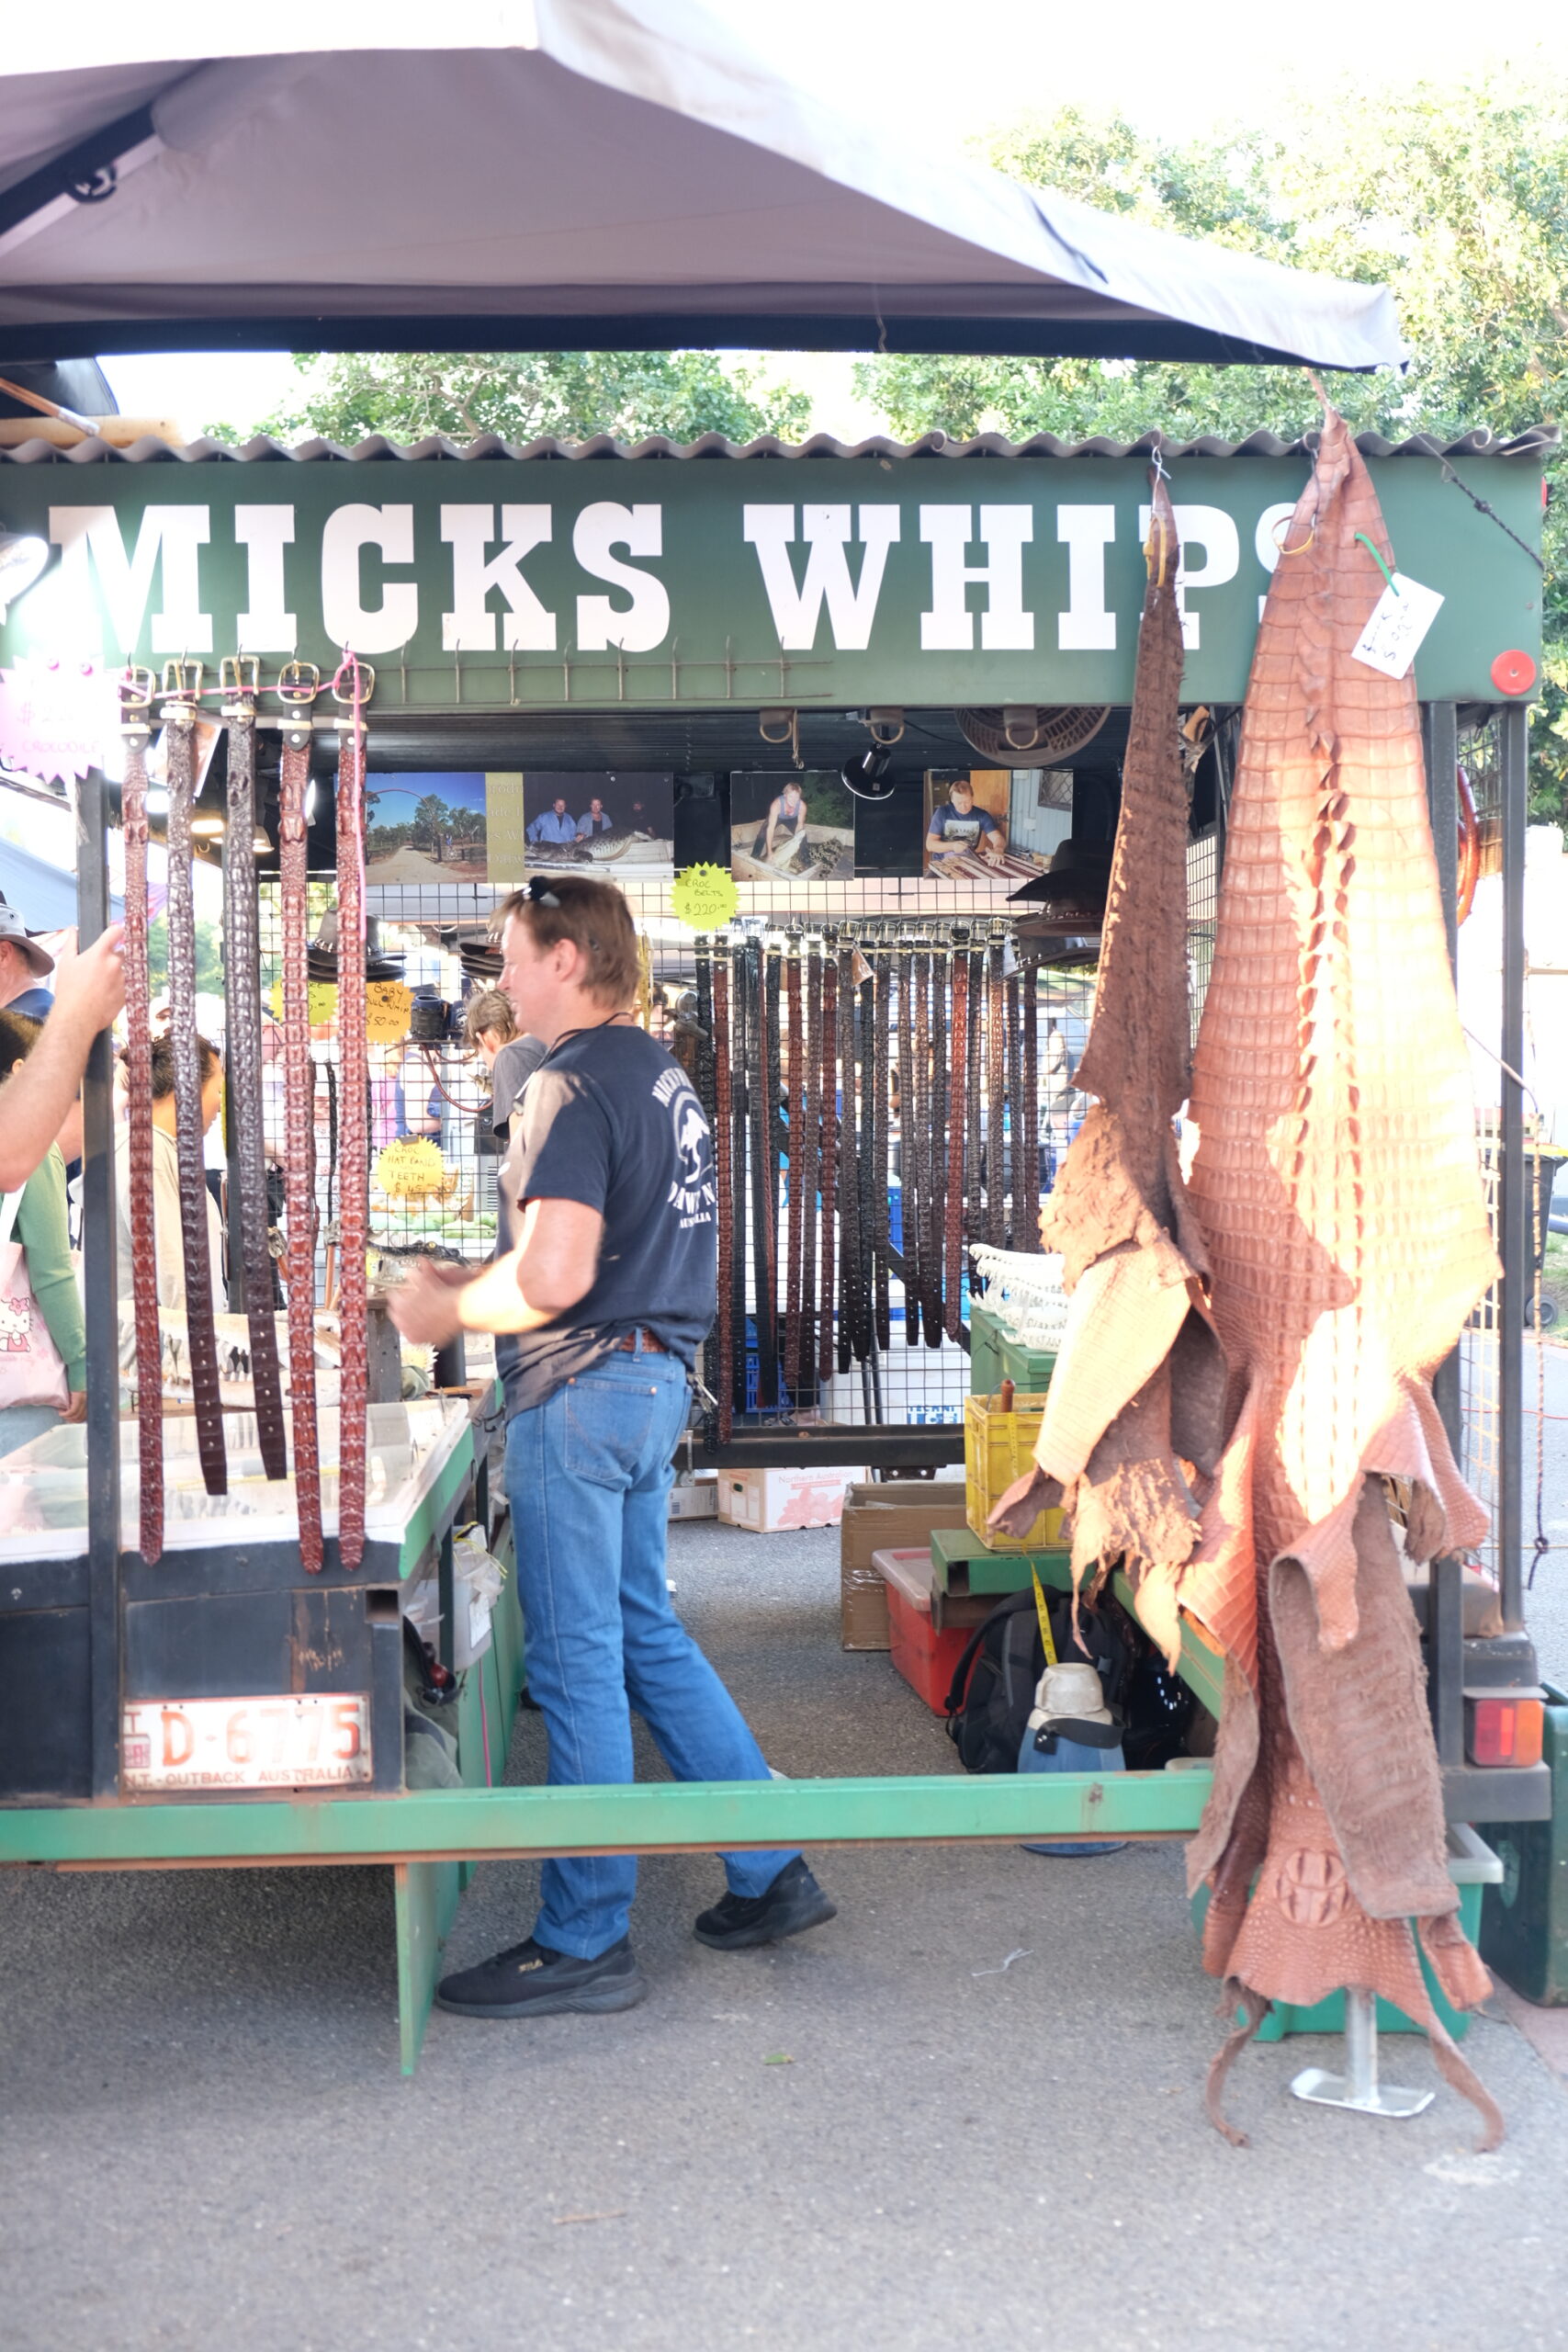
(966, 2111)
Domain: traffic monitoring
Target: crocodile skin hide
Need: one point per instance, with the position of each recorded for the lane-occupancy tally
(1337, 1187)
(299, 1176)
(139, 1150)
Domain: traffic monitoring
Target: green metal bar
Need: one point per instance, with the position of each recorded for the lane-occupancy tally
(696, 1815)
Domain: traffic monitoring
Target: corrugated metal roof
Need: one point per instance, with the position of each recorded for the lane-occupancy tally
(1537, 442)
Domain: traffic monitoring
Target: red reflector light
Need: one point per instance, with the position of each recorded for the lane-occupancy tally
(1505, 1731)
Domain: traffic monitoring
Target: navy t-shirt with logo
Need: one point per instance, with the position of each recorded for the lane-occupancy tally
(609, 1120)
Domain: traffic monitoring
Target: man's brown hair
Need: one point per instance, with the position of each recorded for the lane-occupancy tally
(597, 919)
(489, 1014)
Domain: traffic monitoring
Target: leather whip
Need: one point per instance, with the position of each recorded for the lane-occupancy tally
(299, 1176)
(794, 1078)
(242, 989)
(724, 1179)
(136, 724)
(353, 1177)
(952, 1227)
(180, 714)
(826, 1338)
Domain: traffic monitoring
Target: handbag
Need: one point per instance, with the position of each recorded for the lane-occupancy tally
(32, 1371)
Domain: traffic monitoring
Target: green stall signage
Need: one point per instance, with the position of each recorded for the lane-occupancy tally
(648, 582)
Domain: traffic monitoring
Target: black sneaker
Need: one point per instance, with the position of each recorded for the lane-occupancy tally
(530, 1981)
(791, 1905)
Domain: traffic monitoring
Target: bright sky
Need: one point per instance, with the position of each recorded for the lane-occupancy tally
(939, 79)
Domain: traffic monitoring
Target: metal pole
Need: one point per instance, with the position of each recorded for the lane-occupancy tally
(1439, 726)
(101, 1303)
(1513, 1235)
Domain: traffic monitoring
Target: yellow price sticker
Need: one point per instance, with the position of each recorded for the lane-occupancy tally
(705, 898)
(410, 1168)
(323, 1002)
(387, 1004)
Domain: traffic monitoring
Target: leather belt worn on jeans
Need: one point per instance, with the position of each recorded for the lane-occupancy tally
(651, 1343)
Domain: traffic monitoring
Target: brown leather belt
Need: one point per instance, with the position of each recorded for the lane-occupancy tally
(724, 1179)
(136, 718)
(805, 1156)
(354, 1174)
(879, 1233)
(795, 1222)
(1026, 1166)
(299, 1176)
(242, 977)
(957, 1092)
(996, 1099)
(651, 1344)
(180, 714)
(827, 1344)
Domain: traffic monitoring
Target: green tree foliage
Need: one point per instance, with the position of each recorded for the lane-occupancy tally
(1457, 198)
(522, 396)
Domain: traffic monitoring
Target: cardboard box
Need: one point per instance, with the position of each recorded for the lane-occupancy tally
(769, 1503)
(694, 1497)
(892, 1514)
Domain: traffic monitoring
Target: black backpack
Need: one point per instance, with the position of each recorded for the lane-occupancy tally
(995, 1681)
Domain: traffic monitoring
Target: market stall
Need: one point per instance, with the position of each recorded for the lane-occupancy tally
(887, 1055)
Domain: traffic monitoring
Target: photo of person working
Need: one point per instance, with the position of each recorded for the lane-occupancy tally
(960, 824)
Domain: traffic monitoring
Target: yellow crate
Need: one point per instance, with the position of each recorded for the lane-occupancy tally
(998, 1448)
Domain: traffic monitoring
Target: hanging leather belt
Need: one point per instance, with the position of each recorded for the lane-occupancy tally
(136, 725)
(241, 987)
(880, 1009)
(973, 1132)
(1026, 1218)
(938, 971)
(741, 1091)
(180, 714)
(849, 1165)
(996, 1099)
(826, 1334)
(1014, 1189)
(705, 1080)
(353, 1179)
(952, 1230)
(298, 688)
(724, 1179)
(909, 1094)
(794, 1078)
(810, 1165)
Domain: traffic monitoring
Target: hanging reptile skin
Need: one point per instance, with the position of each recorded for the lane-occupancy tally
(796, 1080)
(136, 725)
(911, 1089)
(957, 1095)
(1337, 1187)
(811, 1167)
(299, 1175)
(353, 1177)
(881, 1174)
(848, 1161)
(201, 1332)
(827, 1337)
(940, 1142)
(723, 1382)
(996, 1099)
(1012, 1184)
(241, 989)
(1027, 1222)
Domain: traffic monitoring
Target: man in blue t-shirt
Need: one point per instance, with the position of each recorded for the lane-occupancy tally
(552, 825)
(609, 1292)
(595, 819)
(960, 823)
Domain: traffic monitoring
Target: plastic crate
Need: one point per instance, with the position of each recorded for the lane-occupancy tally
(925, 1658)
(998, 1448)
(1474, 1867)
(993, 1358)
(1523, 1933)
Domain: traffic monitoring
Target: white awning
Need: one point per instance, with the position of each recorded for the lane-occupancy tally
(587, 173)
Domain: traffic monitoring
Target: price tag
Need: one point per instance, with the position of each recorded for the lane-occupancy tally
(411, 1168)
(323, 1002)
(705, 898)
(1400, 619)
(387, 1004)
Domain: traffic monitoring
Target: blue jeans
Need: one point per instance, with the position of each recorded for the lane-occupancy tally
(588, 1476)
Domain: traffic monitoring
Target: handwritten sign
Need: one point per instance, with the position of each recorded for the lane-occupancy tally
(411, 1168)
(387, 1007)
(57, 718)
(705, 898)
(323, 1002)
(1400, 619)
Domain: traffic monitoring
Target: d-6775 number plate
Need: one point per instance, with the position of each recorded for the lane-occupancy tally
(301, 1740)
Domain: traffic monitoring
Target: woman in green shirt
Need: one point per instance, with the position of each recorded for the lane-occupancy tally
(40, 1227)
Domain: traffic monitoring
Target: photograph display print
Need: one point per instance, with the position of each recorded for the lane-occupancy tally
(619, 822)
(967, 826)
(791, 825)
(432, 827)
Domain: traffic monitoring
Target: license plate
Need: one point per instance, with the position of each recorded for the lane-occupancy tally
(302, 1741)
